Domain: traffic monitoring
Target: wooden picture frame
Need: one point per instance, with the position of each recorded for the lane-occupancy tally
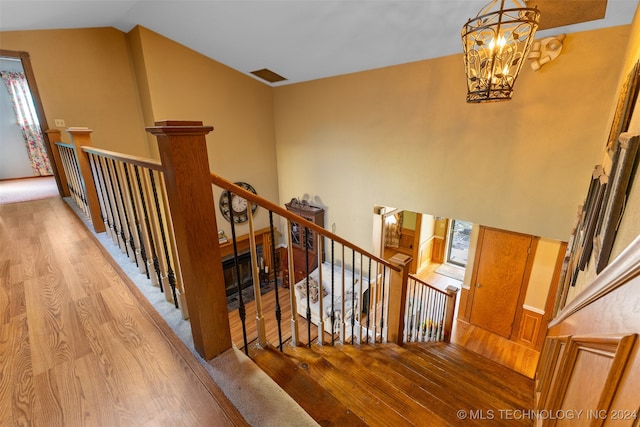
(624, 108)
(567, 274)
(622, 169)
(593, 205)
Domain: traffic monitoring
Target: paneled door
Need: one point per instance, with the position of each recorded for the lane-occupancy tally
(499, 279)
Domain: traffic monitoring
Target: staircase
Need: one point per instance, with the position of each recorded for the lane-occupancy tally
(433, 384)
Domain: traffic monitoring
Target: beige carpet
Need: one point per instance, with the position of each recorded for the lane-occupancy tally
(25, 189)
(451, 271)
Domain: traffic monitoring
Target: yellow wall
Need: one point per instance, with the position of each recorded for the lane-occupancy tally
(544, 263)
(629, 228)
(85, 77)
(404, 136)
(409, 220)
(181, 84)
(630, 224)
(117, 84)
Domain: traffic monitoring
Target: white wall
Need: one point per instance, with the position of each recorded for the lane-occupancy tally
(14, 162)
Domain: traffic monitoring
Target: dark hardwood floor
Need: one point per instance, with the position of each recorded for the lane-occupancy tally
(420, 384)
(515, 356)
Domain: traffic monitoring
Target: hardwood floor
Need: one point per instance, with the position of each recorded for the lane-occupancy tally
(78, 344)
(508, 353)
(271, 325)
(434, 384)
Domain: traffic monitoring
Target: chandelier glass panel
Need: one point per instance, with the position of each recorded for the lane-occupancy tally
(495, 44)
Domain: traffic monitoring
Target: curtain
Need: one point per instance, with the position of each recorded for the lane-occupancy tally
(27, 119)
(393, 229)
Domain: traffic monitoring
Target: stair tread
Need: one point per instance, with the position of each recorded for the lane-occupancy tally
(412, 384)
(402, 383)
(480, 372)
(460, 391)
(361, 400)
(453, 349)
(323, 407)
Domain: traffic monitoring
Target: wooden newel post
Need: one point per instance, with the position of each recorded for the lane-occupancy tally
(183, 152)
(452, 293)
(81, 137)
(398, 297)
(61, 177)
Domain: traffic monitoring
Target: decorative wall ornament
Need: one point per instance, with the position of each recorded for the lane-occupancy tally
(545, 50)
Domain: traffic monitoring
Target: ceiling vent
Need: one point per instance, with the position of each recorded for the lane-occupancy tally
(268, 75)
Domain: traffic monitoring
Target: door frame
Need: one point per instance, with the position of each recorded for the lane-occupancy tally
(35, 95)
(515, 325)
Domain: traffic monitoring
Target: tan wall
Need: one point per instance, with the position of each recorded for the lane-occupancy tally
(404, 136)
(85, 77)
(629, 227)
(544, 264)
(181, 84)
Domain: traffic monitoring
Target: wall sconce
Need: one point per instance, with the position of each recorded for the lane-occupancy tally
(495, 45)
(545, 50)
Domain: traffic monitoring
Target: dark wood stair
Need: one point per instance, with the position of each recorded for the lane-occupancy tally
(434, 384)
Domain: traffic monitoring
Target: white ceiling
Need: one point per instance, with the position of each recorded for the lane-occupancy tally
(298, 39)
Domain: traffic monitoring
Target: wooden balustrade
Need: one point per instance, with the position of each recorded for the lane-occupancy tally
(54, 136)
(183, 153)
(162, 215)
(82, 137)
(386, 290)
(429, 311)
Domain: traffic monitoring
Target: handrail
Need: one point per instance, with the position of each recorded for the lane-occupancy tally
(137, 218)
(253, 198)
(423, 283)
(126, 158)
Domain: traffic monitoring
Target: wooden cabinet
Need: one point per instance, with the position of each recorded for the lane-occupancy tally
(304, 242)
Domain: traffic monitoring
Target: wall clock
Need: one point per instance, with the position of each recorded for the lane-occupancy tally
(238, 204)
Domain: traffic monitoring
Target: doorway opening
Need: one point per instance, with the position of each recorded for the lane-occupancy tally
(435, 244)
(16, 160)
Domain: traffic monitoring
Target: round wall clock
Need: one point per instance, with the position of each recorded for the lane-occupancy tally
(237, 203)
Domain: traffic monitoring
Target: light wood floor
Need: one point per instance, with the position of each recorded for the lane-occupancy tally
(78, 344)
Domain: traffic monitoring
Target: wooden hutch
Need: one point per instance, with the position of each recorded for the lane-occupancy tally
(299, 239)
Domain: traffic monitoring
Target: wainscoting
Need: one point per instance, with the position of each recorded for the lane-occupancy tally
(590, 360)
(530, 323)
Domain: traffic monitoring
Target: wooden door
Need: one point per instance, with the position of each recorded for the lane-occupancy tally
(498, 288)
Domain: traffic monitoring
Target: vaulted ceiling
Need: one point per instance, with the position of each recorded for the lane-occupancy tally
(305, 39)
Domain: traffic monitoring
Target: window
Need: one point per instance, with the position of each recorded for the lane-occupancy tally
(458, 244)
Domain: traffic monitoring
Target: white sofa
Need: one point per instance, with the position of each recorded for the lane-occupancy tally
(361, 288)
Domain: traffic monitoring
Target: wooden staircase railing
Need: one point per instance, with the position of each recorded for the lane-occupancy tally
(430, 312)
(162, 215)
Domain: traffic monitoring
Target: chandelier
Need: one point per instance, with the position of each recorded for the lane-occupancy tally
(495, 45)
